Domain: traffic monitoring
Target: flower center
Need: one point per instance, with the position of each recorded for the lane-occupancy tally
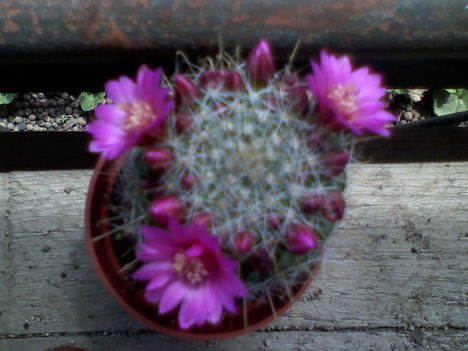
(345, 98)
(139, 115)
(191, 269)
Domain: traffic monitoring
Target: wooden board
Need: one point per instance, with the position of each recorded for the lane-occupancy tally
(395, 274)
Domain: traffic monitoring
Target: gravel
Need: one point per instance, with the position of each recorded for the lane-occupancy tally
(44, 111)
(62, 111)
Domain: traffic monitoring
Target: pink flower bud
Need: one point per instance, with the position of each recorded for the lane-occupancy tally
(275, 220)
(159, 159)
(188, 181)
(313, 203)
(204, 219)
(261, 261)
(297, 92)
(186, 90)
(301, 239)
(336, 163)
(244, 241)
(261, 64)
(183, 123)
(166, 207)
(234, 81)
(212, 78)
(334, 207)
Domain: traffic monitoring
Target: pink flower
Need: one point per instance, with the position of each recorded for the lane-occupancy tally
(139, 111)
(185, 266)
(349, 99)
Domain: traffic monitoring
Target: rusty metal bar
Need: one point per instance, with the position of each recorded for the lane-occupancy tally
(78, 43)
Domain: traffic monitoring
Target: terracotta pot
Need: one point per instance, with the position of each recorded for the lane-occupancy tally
(107, 264)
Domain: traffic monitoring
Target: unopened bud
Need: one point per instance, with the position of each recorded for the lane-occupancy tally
(244, 241)
(261, 64)
(183, 123)
(212, 79)
(301, 239)
(336, 163)
(204, 219)
(261, 261)
(159, 158)
(274, 220)
(313, 203)
(334, 206)
(186, 90)
(188, 181)
(234, 81)
(296, 92)
(167, 207)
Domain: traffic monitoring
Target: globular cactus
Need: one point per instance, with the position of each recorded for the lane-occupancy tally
(247, 154)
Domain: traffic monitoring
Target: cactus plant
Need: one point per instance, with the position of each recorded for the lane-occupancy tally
(238, 155)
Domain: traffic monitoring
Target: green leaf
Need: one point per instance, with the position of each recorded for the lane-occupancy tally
(451, 91)
(89, 101)
(6, 98)
(448, 101)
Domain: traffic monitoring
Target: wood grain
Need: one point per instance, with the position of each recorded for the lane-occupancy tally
(395, 273)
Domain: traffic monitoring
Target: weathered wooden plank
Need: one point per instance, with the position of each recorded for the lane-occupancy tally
(399, 260)
(272, 341)
(4, 240)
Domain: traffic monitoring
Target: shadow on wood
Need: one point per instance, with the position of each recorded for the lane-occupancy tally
(68, 150)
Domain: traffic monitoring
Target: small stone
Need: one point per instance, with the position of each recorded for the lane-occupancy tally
(16, 129)
(3, 124)
(81, 121)
(64, 95)
(47, 124)
(41, 123)
(53, 102)
(36, 128)
(61, 102)
(27, 112)
(27, 97)
(408, 115)
(40, 96)
(11, 119)
(18, 119)
(46, 118)
(32, 117)
(26, 325)
(70, 123)
(22, 126)
(68, 110)
(44, 103)
(29, 127)
(54, 124)
(10, 126)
